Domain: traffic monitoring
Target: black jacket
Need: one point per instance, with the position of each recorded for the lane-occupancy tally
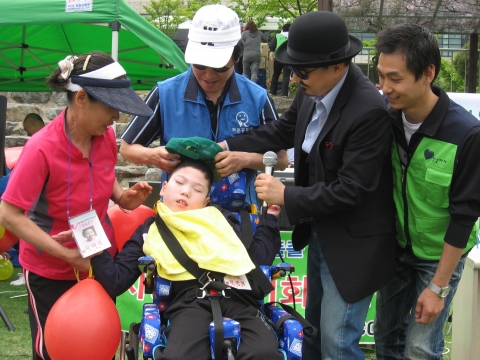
(344, 187)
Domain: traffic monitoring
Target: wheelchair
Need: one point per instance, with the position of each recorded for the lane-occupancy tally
(148, 334)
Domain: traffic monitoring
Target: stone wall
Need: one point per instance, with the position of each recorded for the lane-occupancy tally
(49, 105)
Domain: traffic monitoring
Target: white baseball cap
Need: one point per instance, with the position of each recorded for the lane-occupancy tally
(214, 32)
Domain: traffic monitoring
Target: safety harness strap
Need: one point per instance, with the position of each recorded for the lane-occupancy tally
(218, 323)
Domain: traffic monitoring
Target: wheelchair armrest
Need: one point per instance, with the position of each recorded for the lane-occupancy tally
(147, 265)
(145, 261)
(281, 270)
(290, 331)
(277, 271)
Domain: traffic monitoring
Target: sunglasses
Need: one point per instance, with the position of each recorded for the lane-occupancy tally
(301, 73)
(217, 70)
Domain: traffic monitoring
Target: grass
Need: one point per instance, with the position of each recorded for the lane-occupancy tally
(17, 344)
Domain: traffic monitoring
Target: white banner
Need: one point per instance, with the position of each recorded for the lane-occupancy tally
(469, 101)
(78, 5)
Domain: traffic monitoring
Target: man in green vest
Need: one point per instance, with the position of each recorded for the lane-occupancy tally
(436, 176)
(278, 67)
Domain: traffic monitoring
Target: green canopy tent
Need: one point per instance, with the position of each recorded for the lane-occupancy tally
(36, 34)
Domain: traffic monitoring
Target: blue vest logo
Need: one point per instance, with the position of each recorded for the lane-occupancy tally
(242, 119)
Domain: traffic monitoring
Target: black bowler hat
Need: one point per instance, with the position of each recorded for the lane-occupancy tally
(316, 39)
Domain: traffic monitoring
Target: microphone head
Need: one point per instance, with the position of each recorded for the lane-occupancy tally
(270, 159)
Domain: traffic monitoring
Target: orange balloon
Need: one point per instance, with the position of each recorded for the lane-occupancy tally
(7, 241)
(83, 324)
(124, 225)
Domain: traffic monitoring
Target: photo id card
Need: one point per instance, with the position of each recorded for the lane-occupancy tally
(238, 282)
(88, 233)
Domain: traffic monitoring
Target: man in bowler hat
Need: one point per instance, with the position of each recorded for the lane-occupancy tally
(342, 202)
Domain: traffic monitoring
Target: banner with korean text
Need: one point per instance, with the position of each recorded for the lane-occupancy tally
(283, 292)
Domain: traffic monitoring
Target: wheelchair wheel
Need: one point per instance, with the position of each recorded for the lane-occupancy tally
(133, 342)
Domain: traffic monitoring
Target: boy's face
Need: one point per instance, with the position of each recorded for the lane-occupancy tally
(399, 84)
(187, 189)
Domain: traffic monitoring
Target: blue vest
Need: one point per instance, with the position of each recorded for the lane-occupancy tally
(184, 113)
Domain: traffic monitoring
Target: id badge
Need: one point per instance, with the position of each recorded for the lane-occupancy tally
(237, 282)
(88, 233)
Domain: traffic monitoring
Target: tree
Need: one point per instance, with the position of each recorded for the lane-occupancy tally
(289, 9)
(166, 15)
(449, 79)
(438, 16)
(251, 10)
(193, 5)
(373, 63)
(461, 62)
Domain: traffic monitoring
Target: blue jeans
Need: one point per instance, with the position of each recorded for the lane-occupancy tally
(250, 69)
(340, 324)
(397, 334)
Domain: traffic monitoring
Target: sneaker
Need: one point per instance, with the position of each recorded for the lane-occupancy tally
(19, 281)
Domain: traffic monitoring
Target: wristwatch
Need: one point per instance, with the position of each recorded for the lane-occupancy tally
(440, 291)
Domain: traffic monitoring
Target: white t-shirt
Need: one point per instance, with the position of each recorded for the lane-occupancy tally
(410, 129)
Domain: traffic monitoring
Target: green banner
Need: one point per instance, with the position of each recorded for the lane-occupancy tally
(283, 292)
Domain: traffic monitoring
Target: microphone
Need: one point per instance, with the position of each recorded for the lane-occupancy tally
(269, 160)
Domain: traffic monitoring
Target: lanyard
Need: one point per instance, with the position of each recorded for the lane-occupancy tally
(90, 162)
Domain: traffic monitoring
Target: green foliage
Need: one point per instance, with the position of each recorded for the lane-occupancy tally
(166, 15)
(461, 63)
(290, 9)
(286, 10)
(194, 5)
(373, 60)
(371, 43)
(16, 344)
(251, 10)
(449, 79)
(293, 86)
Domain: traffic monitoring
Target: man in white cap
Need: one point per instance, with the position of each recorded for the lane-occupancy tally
(209, 100)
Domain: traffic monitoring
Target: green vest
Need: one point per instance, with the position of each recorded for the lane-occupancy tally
(421, 195)
(280, 40)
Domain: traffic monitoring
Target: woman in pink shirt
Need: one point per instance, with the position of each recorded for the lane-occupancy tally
(67, 169)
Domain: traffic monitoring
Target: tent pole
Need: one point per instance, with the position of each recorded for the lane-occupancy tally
(115, 29)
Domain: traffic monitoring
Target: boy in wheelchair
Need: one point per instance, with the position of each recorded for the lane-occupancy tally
(210, 237)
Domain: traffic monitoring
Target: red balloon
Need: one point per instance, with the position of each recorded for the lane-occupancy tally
(7, 241)
(124, 225)
(83, 324)
(11, 155)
